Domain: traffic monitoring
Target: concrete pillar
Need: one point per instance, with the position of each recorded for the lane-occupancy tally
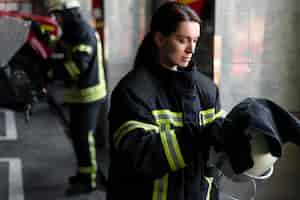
(126, 23)
(86, 7)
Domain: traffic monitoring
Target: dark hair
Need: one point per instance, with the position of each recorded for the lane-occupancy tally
(165, 20)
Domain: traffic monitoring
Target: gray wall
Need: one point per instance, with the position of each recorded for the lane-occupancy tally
(86, 7)
(257, 51)
(126, 23)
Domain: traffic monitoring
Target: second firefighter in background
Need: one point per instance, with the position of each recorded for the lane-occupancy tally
(81, 69)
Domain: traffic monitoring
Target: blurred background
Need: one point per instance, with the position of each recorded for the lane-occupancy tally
(249, 48)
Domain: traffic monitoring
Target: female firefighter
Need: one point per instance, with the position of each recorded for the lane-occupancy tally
(162, 116)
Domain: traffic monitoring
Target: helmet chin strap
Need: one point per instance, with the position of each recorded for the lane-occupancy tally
(264, 176)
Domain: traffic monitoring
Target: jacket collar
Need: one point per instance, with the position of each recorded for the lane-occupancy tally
(182, 80)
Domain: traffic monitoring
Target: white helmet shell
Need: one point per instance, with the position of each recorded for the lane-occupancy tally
(59, 5)
(262, 158)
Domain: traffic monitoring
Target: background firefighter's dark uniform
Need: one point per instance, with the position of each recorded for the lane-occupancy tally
(85, 88)
(156, 129)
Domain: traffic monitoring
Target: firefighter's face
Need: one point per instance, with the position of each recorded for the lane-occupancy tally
(177, 49)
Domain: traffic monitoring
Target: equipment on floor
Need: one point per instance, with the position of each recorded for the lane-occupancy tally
(24, 51)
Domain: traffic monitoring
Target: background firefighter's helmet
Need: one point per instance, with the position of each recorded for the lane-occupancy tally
(262, 158)
(59, 5)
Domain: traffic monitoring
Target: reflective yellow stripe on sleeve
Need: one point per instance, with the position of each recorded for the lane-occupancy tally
(72, 69)
(83, 48)
(165, 119)
(130, 126)
(168, 139)
(220, 114)
(168, 117)
(172, 149)
(207, 116)
(46, 27)
(186, 1)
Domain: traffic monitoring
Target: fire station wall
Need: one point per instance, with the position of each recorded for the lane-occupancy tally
(86, 7)
(256, 54)
(126, 23)
(259, 50)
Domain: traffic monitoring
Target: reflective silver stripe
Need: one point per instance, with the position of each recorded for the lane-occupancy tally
(129, 126)
(160, 188)
(91, 170)
(177, 152)
(210, 181)
(220, 114)
(168, 117)
(171, 148)
(76, 95)
(207, 116)
(93, 93)
(100, 66)
(92, 149)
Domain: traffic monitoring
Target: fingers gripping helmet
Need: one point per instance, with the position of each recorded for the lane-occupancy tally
(59, 5)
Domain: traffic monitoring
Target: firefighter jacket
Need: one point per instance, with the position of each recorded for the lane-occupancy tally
(82, 65)
(262, 116)
(157, 121)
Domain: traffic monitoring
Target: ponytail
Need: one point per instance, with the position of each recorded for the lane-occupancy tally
(146, 54)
